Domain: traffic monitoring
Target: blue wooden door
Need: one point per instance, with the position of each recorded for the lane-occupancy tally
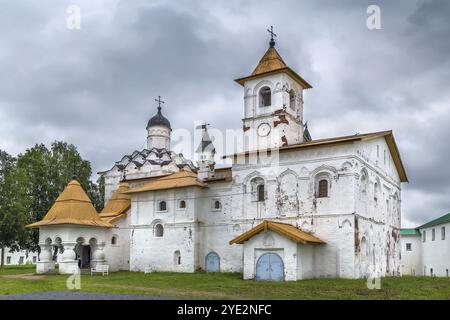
(212, 262)
(270, 267)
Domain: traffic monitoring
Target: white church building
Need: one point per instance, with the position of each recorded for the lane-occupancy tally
(289, 207)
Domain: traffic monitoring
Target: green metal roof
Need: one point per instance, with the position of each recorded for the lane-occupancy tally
(444, 219)
(409, 232)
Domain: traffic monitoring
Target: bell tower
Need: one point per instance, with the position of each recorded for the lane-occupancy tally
(273, 103)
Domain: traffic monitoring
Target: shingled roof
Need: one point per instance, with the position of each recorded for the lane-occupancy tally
(271, 63)
(181, 179)
(73, 206)
(117, 205)
(284, 229)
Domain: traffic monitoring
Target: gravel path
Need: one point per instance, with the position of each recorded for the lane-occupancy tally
(73, 295)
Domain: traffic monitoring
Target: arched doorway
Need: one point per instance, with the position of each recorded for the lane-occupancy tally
(270, 267)
(212, 262)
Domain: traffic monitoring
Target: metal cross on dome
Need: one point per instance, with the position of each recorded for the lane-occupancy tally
(159, 102)
(272, 35)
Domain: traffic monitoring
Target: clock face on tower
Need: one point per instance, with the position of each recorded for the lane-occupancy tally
(263, 129)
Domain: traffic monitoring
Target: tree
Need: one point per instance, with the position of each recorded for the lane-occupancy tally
(14, 205)
(49, 172)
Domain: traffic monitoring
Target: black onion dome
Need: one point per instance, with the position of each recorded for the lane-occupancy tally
(158, 120)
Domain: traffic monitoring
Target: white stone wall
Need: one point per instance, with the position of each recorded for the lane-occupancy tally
(117, 255)
(412, 260)
(180, 231)
(20, 257)
(436, 254)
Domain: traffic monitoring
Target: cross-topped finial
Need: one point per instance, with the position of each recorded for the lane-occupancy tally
(159, 102)
(203, 126)
(272, 35)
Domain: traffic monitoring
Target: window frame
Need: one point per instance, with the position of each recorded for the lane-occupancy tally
(409, 246)
(213, 205)
(160, 203)
(292, 99)
(442, 233)
(260, 192)
(320, 190)
(424, 236)
(262, 96)
(177, 257)
(155, 230)
(179, 205)
(433, 234)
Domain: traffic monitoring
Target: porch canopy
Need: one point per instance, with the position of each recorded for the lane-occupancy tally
(284, 229)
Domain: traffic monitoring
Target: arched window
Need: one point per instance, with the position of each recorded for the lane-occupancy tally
(260, 192)
(182, 204)
(114, 240)
(292, 99)
(257, 188)
(375, 192)
(162, 206)
(217, 205)
(265, 97)
(363, 184)
(177, 257)
(159, 230)
(323, 188)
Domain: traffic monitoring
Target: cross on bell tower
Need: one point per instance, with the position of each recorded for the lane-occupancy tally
(272, 37)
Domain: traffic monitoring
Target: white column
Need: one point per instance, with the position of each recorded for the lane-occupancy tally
(45, 263)
(69, 263)
(98, 255)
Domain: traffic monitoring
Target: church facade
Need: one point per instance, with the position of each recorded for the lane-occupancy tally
(289, 207)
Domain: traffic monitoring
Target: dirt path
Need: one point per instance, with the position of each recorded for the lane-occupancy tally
(26, 276)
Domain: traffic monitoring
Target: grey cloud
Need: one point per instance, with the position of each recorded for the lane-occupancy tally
(95, 87)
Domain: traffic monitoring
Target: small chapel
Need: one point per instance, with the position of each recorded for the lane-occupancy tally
(290, 207)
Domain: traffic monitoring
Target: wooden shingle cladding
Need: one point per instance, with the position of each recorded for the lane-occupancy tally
(180, 179)
(73, 206)
(117, 205)
(272, 63)
(284, 229)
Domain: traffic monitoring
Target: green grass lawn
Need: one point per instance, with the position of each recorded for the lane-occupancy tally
(225, 286)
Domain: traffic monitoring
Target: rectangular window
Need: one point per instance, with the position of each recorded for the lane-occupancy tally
(443, 233)
(34, 259)
(408, 247)
(433, 234)
(8, 260)
(21, 260)
(424, 236)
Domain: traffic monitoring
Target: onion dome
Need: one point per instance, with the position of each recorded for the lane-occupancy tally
(159, 120)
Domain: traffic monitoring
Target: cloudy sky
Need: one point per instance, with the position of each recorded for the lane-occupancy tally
(95, 86)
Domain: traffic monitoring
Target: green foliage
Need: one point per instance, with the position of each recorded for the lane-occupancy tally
(48, 172)
(14, 205)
